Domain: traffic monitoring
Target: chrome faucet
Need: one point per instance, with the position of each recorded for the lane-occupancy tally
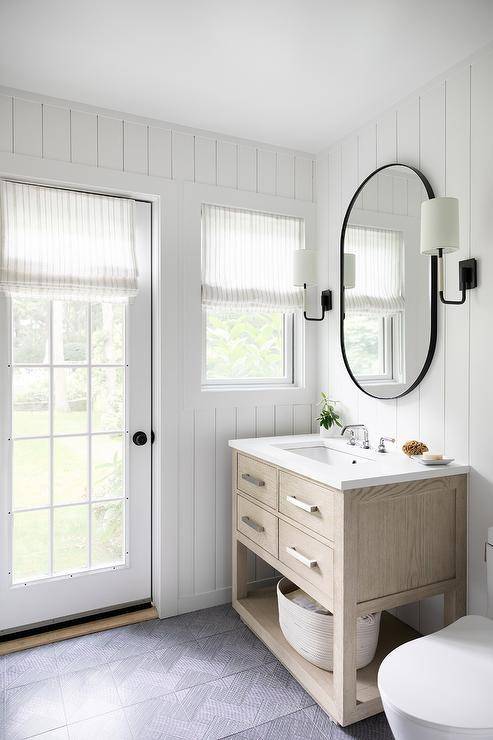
(365, 444)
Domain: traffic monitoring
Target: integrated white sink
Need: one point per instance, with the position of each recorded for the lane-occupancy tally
(326, 455)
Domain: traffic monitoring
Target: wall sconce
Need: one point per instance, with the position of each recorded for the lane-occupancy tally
(305, 274)
(349, 270)
(439, 236)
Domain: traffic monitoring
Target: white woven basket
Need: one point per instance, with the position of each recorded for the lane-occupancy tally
(312, 634)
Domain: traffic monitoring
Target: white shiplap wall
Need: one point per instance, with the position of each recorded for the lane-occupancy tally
(33, 126)
(445, 130)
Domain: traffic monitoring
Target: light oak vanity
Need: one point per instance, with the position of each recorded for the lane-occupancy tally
(359, 537)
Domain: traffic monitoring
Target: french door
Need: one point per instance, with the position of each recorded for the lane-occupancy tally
(75, 498)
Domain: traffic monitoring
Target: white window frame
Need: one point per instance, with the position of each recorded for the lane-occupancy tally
(393, 349)
(291, 331)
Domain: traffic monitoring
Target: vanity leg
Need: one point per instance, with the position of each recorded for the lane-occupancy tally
(455, 602)
(240, 571)
(345, 613)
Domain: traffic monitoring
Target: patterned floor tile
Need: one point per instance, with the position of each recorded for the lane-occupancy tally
(170, 631)
(135, 639)
(112, 726)
(373, 728)
(33, 709)
(162, 718)
(28, 666)
(142, 677)
(294, 726)
(89, 651)
(88, 693)
(2, 673)
(208, 622)
(61, 733)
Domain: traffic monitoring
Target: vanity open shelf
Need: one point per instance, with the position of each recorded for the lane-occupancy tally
(361, 547)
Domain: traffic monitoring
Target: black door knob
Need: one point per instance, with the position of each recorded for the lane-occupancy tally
(139, 439)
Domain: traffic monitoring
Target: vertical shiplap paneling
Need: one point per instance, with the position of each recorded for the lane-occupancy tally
(182, 148)
(28, 127)
(265, 421)
(302, 418)
(407, 412)
(326, 278)
(110, 143)
(283, 421)
(159, 152)
(267, 168)
(481, 302)
(457, 321)
(204, 499)
(205, 160)
(6, 105)
(386, 139)
(285, 175)
(432, 152)
(225, 430)
(135, 150)
(303, 178)
(84, 137)
(227, 157)
(56, 133)
(247, 168)
(366, 163)
(186, 509)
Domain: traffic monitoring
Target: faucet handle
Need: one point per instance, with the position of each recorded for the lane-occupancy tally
(352, 438)
(381, 445)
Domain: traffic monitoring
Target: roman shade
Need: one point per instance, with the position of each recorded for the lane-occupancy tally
(247, 259)
(379, 283)
(65, 244)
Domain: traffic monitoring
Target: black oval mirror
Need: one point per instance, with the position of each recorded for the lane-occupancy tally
(388, 289)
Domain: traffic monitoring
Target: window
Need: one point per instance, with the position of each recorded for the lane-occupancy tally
(251, 310)
(373, 345)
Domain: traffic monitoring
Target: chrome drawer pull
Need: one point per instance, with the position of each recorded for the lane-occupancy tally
(250, 523)
(254, 481)
(298, 556)
(301, 504)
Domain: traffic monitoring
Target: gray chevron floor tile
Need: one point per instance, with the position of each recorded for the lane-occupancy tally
(33, 709)
(2, 715)
(170, 631)
(89, 651)
(135, 639)
(373, 728)
(294, 726)
(112, 726)
(88, 693)
(142, 677)
(61, 733)
(208, 622)
(163, 718)
(28, 666)
(2, 673)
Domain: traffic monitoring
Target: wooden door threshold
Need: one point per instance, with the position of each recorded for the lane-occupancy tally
(56, 634)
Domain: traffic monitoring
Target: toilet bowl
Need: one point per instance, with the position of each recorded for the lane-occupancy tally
(441, 686)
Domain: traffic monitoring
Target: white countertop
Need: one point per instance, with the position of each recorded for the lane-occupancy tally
(370, 469)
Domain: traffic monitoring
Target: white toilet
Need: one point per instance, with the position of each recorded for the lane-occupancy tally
(441, 686)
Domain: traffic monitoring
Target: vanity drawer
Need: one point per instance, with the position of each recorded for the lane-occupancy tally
(307, 503)
(258, 480)
(257, 524)
(306, 556)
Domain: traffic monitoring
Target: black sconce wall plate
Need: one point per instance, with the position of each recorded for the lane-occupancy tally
(468, 274)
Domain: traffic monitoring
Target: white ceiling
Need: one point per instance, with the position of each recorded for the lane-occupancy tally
(295, 73)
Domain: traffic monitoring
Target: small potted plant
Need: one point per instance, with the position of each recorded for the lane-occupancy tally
(328, 416)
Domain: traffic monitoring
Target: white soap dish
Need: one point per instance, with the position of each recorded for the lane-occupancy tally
(423, 461)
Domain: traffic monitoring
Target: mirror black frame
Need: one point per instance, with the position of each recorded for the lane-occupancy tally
(433, 287)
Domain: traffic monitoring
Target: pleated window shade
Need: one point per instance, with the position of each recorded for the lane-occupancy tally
(247, 259)
(379, 286)
(65, 244)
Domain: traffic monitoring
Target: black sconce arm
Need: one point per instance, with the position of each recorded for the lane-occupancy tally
(326, 303)
(468, 279)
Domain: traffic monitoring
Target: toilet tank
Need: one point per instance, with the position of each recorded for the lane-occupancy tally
(489, 571)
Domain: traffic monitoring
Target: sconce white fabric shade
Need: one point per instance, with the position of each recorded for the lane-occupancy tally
(349, 270)
(439, 225)
(304, 267)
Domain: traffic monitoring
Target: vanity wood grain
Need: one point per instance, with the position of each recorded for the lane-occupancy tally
(376, 547)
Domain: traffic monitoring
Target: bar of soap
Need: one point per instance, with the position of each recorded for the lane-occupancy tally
(431, 456)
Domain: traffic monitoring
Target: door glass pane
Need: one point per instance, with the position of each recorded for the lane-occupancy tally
(30, 331)
(107, 399)
(107, 465)
(31, 473)
(70, 539)
(70, 468)
(69, 400)
(31, 545)
(108, 534)
(108, 327)
(70, 320)
(30, 401)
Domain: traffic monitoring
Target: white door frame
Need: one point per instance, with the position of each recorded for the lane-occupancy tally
(163, 196)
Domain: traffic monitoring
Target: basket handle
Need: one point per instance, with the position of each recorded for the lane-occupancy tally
(302, 558)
